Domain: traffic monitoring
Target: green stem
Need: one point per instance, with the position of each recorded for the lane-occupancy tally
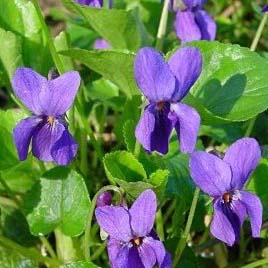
(55, 56)
(30, 253)
(252, 48)
(259, 32)
(48, 247)
(65, 247)
(162, 26)
(256, 263)
(90, 216)
(183, 239)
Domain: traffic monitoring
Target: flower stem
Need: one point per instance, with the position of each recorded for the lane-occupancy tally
(162, 26)
(55, 56)
(90, 216)
(259, 32)
(253, 48)
(183, 239)
(256, 263)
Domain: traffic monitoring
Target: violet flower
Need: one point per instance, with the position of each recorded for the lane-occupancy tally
(165, 84)
(194, 23)
(132, 242)
(223, 179)
(47, 128)
(101, 44)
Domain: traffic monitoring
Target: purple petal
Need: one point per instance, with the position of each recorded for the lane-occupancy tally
(23, 133)
(207, 25)
(187, 126)
(158, 248)
(93, 3)
(134, 260)
(153, 75)
(142, 213)
(122, 258)
(44, 138)
(243, 156)
(113, 247)
(210, 173)
(115, 221)
(186, 65)
(147, 255)
(236, 214)
(28, 85)
(194, 3)
(64, 149)
(154, 129)
(221, 227)
(61, 93)
(254, 210)
(186, 27)
(101, 44)
(167, 263)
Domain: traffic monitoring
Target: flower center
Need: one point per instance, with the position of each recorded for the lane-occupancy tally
(137, 241)
(160, 105)
(227, 198)
(51, 119)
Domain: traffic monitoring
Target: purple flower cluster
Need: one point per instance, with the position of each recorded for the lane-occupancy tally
(192, 22)
(132, 241)
(47, 128)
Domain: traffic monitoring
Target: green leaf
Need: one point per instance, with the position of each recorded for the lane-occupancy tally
(122, 29)
(159, 177)
(61, 200)
(10, 52)
(122, 165)
(102, 90)
(258, 183)
(227, 133)
(20, 18)
(116, 66)
(8, 153)
(80, 264)
(233, 85)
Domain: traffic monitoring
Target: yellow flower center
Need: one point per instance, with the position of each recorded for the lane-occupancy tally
(227, 198)
(51, 119)
(137, 241)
